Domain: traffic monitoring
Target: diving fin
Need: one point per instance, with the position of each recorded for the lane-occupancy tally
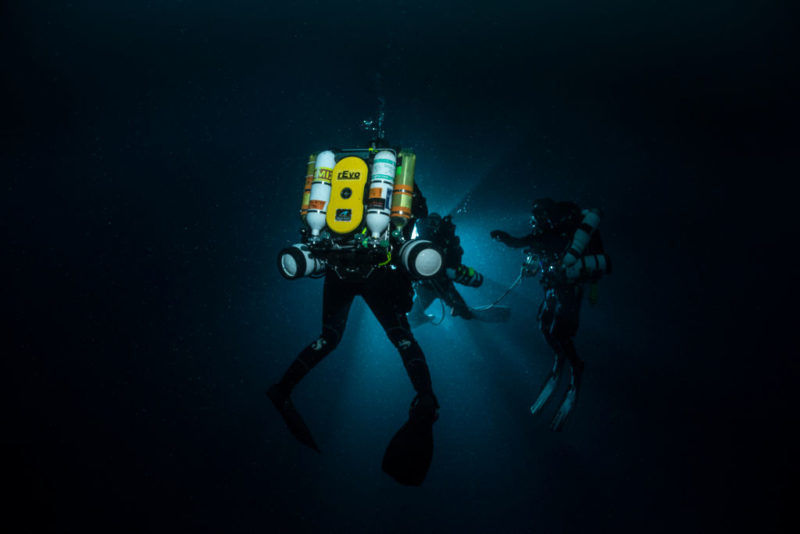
(492, 314)
(546, 392)
(570, 399)
(565, 409)
(409, 454)
(549, 385)
(291, 417)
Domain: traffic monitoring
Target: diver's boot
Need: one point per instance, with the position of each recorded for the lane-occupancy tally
(283, 402)
(548, 387)
(409, 454)
(570, 399)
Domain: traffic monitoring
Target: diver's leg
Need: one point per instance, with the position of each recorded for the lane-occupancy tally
(397, 328)
(388, 296)
(337, 297)
(409, 453)
(336, 302)
(546, 318)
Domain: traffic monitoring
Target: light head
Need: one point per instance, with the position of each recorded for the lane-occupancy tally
(542, 216)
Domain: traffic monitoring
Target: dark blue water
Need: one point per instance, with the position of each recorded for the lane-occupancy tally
(153, 157)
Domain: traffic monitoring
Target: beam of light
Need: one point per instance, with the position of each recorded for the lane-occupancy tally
(461, 206)
(484, 376)
(475, 193)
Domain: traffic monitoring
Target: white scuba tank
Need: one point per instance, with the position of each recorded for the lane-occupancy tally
(379, 201)
(591, 218)
(320, 192)
(590, 266)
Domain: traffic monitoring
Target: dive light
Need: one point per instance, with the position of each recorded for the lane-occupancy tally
(420, 258)
(296, 262)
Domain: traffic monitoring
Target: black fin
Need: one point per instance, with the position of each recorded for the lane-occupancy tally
(409, 454)
(291, 417)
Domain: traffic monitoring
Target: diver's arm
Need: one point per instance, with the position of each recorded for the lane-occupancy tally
(511, 241)
(465, 275)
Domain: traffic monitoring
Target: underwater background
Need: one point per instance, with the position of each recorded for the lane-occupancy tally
(153, 157)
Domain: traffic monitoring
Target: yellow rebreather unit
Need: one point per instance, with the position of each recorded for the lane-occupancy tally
(346, 206)
(347, 215)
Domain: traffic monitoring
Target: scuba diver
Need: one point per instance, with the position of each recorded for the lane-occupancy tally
(442, 232)
(350, 199)
(566, 250)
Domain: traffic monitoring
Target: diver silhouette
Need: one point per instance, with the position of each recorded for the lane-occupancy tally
(347, 239)
(566, 250)
(442, 232)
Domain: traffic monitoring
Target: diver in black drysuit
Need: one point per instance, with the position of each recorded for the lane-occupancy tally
(441, 231)
(564, 271)
(388, 292)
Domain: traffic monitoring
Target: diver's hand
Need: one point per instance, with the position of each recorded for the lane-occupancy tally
(530, 267)
(499, 235)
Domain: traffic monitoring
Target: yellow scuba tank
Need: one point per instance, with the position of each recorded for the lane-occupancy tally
(307, 189)
(403, 194)
(346, 206)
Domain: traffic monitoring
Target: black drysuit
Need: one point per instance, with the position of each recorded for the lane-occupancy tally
(441, 231)
(388, 293)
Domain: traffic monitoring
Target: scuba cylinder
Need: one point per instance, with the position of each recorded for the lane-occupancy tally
(348, 207)
(297, 261)
(320, 193)
(403, 194)
(307, 189)
(380, 192)
(591, 218)
(591, 266)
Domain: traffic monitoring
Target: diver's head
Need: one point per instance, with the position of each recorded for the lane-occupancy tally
(431, 223)
(542, 215)
(428, 227)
